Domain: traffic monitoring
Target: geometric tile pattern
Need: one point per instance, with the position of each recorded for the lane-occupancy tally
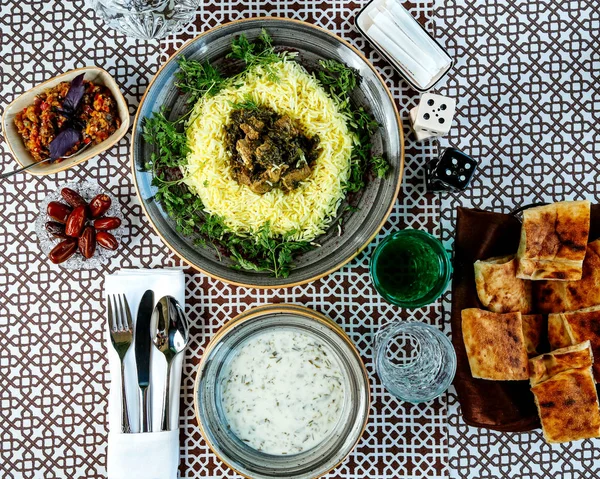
(526, 80)
(53, 368)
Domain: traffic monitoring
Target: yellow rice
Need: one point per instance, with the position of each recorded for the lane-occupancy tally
(303, 213)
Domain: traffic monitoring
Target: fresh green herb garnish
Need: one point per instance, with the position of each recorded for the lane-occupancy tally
(260, 52)
(170, 153)
(248, 103)
(170, 139)
(265, 253)
(261, 251)
(198, 79)
(202, 79)
(339, 80)
(380, 166)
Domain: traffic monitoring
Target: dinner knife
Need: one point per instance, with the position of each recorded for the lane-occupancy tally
(143, 344)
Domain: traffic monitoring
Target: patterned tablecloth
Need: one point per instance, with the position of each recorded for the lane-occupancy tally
(525, 83)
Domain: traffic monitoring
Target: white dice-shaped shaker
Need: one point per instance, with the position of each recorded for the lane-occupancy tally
(433, 116)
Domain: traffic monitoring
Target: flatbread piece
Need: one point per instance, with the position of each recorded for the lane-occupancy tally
(566, 329)
(495, 345)
(553, 241)
(498, 287)
(565, 394)
(559, 296)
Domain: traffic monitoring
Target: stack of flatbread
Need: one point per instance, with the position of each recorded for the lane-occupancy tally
(555, 271)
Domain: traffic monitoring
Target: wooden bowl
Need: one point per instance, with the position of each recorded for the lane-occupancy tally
(13, 138)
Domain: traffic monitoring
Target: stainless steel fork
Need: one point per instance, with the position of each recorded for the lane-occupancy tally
(121, 336)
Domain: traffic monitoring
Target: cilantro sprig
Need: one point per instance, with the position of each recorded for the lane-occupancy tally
(248, 103)
(198, 79)
(259, 52)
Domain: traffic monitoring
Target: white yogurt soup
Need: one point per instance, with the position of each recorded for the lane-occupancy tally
(283, 391)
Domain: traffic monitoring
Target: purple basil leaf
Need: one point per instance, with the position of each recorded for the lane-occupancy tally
(63, 142)
(75, 94)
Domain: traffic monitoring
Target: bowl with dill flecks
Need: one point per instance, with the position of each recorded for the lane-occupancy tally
(66, 120)
(281, 392)
(267, 152)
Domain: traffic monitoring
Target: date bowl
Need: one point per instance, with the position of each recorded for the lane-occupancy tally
(312, 45)
(88, 190)
(236, 453)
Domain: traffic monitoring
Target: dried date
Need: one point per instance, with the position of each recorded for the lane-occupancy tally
(72, 197)
(76, 221)
(106, 240)
(56, 229)
(87, 242)
(63, 250)
(59, 211)
(99, 205)
(108, 223)
(81, 225)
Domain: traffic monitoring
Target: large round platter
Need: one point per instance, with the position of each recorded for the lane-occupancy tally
(213, 424)
(312, 44)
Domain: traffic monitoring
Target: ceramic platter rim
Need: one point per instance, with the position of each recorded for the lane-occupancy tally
(311, 271)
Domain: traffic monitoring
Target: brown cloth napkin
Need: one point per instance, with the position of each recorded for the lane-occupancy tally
(501, 405)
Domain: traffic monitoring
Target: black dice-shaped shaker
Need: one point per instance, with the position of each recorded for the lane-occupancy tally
(451, 171)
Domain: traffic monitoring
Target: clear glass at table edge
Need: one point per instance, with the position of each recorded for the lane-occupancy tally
(415, 362)
(146, 19)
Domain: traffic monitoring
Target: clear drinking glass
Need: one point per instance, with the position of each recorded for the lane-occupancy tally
(146, 19)
(415, 362)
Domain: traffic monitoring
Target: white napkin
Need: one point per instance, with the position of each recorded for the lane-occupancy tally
(421, 75)
(412, 50)
(412, 28)
(152, 455)
(394, 32)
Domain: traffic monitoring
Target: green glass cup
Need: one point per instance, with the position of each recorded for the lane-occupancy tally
(410, 268)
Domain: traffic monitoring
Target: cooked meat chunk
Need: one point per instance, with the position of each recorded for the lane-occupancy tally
(261, 184)
(274, 173)
(268, 155)
(251, 133)
(285, 127)
(242, 175)
(269, 150)
(246, 151)
(291, 179)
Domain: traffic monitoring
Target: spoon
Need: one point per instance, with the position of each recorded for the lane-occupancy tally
(171, 339)
(26, 167)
